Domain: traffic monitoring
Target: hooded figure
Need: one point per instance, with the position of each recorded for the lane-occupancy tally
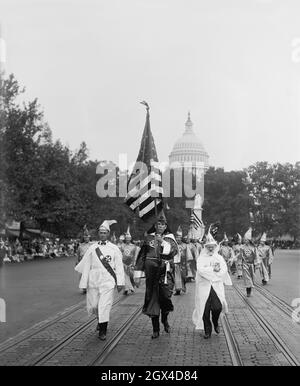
(248, 255)
(248, 235)
(237, 256)
(180, 264)
(191, 257)
(129, 253)
(83, 247)
(155, 262)
(114, 239)
(101, 269)
(227, 253)
(263, 238)
(85, 244)
(121, 241)
(265, 259)
(211, 276)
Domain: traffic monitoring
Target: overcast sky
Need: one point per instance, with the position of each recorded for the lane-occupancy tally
(233, 63)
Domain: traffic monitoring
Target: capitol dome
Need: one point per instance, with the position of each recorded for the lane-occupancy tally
(188, 148)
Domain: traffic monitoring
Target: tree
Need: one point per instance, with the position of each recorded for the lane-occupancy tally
(43, 180)
(226, 200)
(21, 131)
(274, 192)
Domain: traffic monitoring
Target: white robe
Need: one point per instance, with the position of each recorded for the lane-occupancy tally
(206, 278)
(98, 281)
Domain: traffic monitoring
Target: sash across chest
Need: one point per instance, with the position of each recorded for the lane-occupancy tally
(106, 264)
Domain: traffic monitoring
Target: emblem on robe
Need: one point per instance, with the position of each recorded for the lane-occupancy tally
(107, 258)
(152, 243)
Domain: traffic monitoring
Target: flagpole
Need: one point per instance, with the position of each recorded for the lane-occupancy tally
(191, 224)
(155, 201)
(144, 202)
(155, 206)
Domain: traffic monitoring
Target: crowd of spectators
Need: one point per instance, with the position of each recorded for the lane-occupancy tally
(14, 251)
(282, 244)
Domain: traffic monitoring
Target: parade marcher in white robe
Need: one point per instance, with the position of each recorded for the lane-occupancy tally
(228, 255)
(180, 264)
(248, 255)
(83, 247)
(121, 240)
(100, 281)
(191, 259)
(197, 246)
(114, 239)
(265, 259)
(238, 259)
(129, 253)
(211, 276)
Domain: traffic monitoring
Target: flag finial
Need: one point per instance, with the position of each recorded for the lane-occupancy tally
(146, 104)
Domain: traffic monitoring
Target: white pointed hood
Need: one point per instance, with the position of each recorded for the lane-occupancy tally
(225, 237)
(179, 231)
(209, 239)
(248, 234)
(263, 237)
(106, 224)
(128, 231)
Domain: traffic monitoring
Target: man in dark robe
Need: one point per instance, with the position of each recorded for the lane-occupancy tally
(155, 262)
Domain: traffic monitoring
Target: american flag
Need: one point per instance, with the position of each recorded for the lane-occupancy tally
(195, 220)
(214, 228)
(197, 227)
(145, 186)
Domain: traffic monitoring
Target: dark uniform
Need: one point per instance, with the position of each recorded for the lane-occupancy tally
(155, 259)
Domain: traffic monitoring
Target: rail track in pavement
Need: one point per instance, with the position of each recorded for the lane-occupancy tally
(231, 342)
(104, 351)
(23, 336)
(268, 328)
(281, 304)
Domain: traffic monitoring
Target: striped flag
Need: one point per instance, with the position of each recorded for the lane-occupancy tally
(197, 227)
(195, 220)
(214, 228)
(145, 183)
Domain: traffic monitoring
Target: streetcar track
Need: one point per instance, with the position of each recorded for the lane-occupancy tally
(279, 303)
(111, 344)
(15, 341)
(271, 332)
(232, 345)
(53, 350)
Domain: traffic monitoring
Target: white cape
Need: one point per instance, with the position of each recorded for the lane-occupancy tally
(205, 278)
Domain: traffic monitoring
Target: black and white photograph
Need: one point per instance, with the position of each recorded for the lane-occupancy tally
(149, 186)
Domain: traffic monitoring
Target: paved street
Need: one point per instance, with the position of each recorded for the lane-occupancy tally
(39, 290)
(183, 131)
(285, 281)
(35, 290)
